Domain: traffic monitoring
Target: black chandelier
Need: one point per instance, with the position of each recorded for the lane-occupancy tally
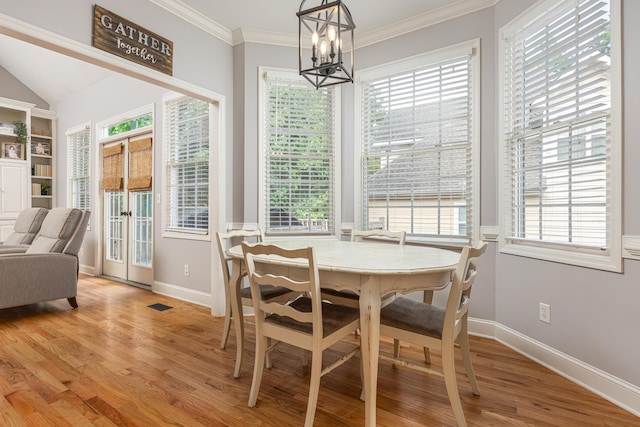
(325, 33)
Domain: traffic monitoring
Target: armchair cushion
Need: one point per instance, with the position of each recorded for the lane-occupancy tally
(57, 229)
(27, 226)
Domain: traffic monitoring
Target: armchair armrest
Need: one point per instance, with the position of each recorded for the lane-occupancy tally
(32, 278)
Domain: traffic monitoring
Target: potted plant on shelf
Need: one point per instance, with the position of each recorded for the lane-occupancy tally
(44, 188)
(21, 131)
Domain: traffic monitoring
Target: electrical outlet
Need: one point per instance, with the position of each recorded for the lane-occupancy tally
(186, 269)
(545, 312)
(158, 198)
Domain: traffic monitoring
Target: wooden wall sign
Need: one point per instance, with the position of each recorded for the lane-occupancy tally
(121, 37)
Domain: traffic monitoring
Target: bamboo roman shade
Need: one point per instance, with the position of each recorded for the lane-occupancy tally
(140, 165)
(112, 162)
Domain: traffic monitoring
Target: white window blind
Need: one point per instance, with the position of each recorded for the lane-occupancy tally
(187, 164)
(557, 127)
(79, 166)
(299, 157)
(417, 149)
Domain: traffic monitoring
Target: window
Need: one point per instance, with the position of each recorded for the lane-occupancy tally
(419, 152)
(560, 133)
(186, 147)
(298, 155)
(79, 166)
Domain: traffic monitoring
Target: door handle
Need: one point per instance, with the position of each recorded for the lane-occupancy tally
(125, 213)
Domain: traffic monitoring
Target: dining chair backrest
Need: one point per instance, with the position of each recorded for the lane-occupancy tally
(224, 240)
(400, 236)
(308, 283)
(460, 292)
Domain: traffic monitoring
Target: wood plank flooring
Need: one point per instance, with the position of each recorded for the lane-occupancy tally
(116, 362)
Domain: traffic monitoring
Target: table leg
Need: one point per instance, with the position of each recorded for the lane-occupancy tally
(370, 343)
(236, 311)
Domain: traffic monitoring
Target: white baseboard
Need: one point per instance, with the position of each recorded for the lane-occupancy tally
(88, 270)
(184, 294)
(614, 389)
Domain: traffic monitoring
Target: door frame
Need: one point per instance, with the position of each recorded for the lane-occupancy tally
(46, 39)
(125, 138)
(101, 141)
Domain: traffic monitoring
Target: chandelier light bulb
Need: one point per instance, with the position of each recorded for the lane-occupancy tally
(332, 34)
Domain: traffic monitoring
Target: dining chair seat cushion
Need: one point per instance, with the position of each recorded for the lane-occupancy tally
(267, 291)
(414, 316)
(334, 317)
(344, 294)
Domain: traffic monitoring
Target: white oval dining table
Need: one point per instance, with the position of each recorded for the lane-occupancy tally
(370, 269)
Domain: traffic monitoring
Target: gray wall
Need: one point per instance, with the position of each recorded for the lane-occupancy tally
(12, 88)
(594, 313)
(199, 58)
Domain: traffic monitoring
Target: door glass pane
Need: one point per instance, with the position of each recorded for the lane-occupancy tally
(114, 226)
(142, 228)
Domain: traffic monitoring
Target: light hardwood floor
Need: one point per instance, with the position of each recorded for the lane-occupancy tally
(115, 361)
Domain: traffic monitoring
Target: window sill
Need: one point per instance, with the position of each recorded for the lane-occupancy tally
(186, 235)
(605, 261)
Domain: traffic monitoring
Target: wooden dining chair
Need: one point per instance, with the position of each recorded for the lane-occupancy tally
(269, 292)
(383, 235)
(307, 322)
(438, 328)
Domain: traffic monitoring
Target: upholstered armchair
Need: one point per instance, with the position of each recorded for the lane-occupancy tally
(48, 269)
(25, 229)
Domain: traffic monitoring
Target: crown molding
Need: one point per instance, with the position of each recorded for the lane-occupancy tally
(437, 16)
(196, 18)
(246, 35)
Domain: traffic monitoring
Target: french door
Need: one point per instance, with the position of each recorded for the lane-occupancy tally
(128, 210)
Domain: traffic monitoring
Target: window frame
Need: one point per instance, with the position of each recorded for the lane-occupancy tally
(71, 171)
(291, 74)
(470, 48)
(609, 259)
(176, 233)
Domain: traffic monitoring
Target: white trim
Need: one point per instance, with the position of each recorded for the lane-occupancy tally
(238, 36)
(469, 48)
(184, 294)
(610, 260)
(605, 385)
(265, 72)
(631, 247)
(87, 269)
(423, 20)
(174, 233)
(78, 128)
(55, 42)
(245, 35)
(489, 233)
(196, 18)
